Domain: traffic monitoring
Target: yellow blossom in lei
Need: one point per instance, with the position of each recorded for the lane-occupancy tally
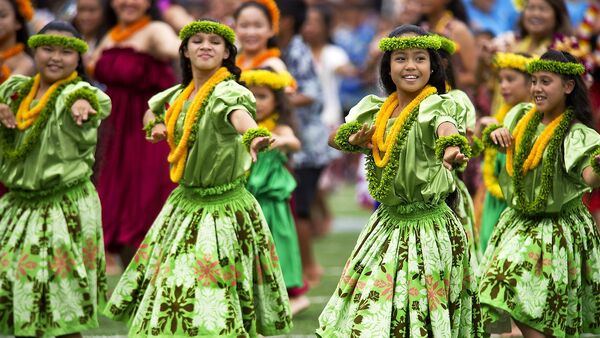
(270, 122)
(518, 137)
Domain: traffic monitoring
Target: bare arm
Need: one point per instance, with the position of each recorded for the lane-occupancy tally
(285, 139)
(590, 177)
(452, 154)
(177, 17)
(242, 121)
(163, 41)
(468, 53)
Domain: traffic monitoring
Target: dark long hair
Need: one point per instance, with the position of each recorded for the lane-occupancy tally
(22, 34)
(578, 99)
(561, 16)
(272, 41)
(104, 26)
(448, 67)
(326, 14)
(295, 9)
(111, 15)
(458, 10)
(63, 26)
(186, 65)
(437, 77)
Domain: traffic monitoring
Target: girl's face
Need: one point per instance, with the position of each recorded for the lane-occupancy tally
(514, 86)
(89, 16)
(410, 69)
(265, 101)
(8, 20)
(314, 27)
(55, 62)
(253, 29)
(206, 51)
(539, 18)
(128, 11)
(549, 91)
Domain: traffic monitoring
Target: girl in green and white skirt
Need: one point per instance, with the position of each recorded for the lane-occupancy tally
(52, 280)
(542, 265)
(208, 266)
(409, 274)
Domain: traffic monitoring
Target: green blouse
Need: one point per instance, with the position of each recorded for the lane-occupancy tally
(217, 155)
(465, 107)
(421, 177)
(573, 157)
(64, 152)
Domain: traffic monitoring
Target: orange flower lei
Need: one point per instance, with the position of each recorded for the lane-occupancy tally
(273, 12)
(257, 60)
(7, 54)
(270, 122)
(178, 154)
(537, 150)
(120, 33)
(489, 178)
(25, 116)
(25, 9)
(383, 116)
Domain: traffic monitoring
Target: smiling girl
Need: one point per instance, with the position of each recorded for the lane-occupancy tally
(411, 262)
(51, 252)
(14, 59)
(542, 265)
(208, 266)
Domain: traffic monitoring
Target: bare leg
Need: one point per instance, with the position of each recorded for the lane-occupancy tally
(311, 269)
(529, 332)
(322, 215)
(127, 253)
(596, 216)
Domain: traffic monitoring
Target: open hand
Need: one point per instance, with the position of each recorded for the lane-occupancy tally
(258, 144)
(7, 117)
(158, 133)
(81, 111)
(362, 138)
(453, 156)
(501, 137)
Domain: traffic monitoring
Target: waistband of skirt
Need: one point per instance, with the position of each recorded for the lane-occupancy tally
(58, 190)
(416, 210)
(565, 209)
(222, 191)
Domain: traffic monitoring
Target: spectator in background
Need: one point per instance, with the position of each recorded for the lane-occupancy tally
(354, 33)
(310, 161)
(494, 16)
(90, 20)
(133, 61)
(14, 58)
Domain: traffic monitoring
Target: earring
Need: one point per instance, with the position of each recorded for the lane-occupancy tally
(432, 71)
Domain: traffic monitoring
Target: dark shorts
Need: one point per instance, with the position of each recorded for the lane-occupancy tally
(308, 181)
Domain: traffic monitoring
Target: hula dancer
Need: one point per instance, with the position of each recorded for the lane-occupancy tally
(409, 273)
(52, 280)
(208, 265)
(542, 265)
(514, 84)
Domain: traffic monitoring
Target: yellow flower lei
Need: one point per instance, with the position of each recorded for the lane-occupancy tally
(270, 122)
(267, 78)
(383, 116)
(537, 150)
(511, 60)
(489, 160)
(25, 116)
(178, 154)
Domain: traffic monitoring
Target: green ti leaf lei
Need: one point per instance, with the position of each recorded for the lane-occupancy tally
(538, 205)
(379, 188)
(8, 137)
(595, 166)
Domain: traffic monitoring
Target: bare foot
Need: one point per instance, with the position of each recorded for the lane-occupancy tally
(299, 304)
(113, 265)
(312, 275)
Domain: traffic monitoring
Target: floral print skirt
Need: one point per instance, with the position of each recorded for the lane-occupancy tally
(52, 279)
(544, 272)
(466, 215)
(207, 267)
(408, 276)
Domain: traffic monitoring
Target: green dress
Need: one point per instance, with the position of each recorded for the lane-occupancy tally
(492, 207)
(545, 270)
(465, 210)
(272, 184)
(409, 274)
(208, 266)
(52, 279)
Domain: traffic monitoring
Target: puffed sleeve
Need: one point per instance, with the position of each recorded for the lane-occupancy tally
(100, 102)
(9, 89)
(227, 97)
(515, 114)
(160, 102)
(365, 110)
(579, 144)
(465, 112)
(436, 109)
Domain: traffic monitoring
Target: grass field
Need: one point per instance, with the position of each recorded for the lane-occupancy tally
(331, 251)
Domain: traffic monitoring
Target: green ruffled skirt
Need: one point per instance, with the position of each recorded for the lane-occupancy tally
(409, 275)
(207, 268)
(492, 209)
(52, 272)
(544, 272)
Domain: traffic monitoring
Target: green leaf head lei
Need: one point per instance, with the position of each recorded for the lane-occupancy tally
(57, 40)
(209, 27)
(421, 42)
(557, 67)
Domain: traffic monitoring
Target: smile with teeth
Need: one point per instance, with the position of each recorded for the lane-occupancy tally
(410, 77)
(539, 98)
